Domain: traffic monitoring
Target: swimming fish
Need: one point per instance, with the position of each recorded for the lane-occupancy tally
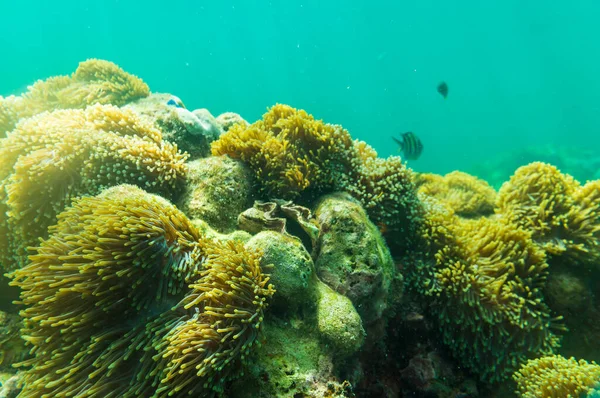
(176, 102)
(442, 88)
(411, 146)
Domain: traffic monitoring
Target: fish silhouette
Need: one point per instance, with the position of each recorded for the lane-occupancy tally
(410, 145)
(442, 88)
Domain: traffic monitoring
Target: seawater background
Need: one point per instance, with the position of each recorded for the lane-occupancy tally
(520, 73)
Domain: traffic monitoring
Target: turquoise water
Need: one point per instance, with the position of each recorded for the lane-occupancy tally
(520, 73)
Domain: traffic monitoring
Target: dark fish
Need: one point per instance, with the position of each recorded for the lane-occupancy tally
(442, 88)
(410, 145)
(176, 102)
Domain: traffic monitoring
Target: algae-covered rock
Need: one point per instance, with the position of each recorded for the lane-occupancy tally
(9, 385)
(191, 131)
(291, 363)
(338, 322)
(208, 232)
(292, 271)
(567, 293)
(353, 258)
(218, 190)
(311, 332)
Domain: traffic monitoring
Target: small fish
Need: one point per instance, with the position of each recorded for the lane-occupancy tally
(176, 102)
(411, 146)
(442, 88)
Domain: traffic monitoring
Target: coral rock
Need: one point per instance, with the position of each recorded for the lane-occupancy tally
(338, 322)
(353, 258)
(228, 119)
(292, 272)
(218, 189)
(193, 132)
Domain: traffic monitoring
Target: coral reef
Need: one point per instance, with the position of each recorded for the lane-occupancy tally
(557, 377)
(52, 157)
(193, 132)
(94, 82)
(293, 155)
(466, 195)
(389, 283)
(193, 307)
(217, 190)
(352, 256)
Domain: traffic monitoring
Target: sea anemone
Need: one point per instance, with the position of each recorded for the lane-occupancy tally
(125, 299)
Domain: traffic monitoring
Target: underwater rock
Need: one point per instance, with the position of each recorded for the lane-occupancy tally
(228, 119)
(292, 272)
(310, 331)
(338, 322)
(566, 293)
(207, 231)
(430, 375)
(208, 124)
(218, 190)
(191, 131)
(291, 364)
(9, 385)
(352, 256)
(574, 294)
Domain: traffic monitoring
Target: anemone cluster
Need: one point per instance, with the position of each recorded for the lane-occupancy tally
(562, 215)
(94, 82)
(52, 157)
(556, 377)
(468, 196)
(484, 279)
(486, 274)
(193, 306)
